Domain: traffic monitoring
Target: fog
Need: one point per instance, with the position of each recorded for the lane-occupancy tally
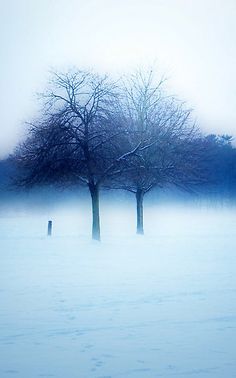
(160, 304)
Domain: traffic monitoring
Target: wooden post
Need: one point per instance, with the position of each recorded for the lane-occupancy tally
(49, 228)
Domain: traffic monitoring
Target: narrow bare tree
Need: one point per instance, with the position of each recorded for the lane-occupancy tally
(168, 139)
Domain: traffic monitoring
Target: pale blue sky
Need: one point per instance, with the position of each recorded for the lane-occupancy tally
(193, 42)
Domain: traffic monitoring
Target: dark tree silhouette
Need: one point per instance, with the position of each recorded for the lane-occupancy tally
(75, 140)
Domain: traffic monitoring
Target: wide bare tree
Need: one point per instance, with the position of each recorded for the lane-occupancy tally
(75, 140)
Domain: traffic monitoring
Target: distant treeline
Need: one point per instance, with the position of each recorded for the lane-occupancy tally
(220, 165)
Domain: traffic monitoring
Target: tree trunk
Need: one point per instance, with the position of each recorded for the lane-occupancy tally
(139, 202)
(94, 192)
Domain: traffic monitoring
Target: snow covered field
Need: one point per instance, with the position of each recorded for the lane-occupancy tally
(162, 305)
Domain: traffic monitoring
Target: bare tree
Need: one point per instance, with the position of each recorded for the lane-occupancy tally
(168, 137)
(75, 141)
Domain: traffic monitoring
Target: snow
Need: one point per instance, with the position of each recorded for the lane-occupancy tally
(159, 305)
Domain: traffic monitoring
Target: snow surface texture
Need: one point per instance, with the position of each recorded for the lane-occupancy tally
(162, 305)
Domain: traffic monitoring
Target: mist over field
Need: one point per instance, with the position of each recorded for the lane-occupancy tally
(118, 209)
